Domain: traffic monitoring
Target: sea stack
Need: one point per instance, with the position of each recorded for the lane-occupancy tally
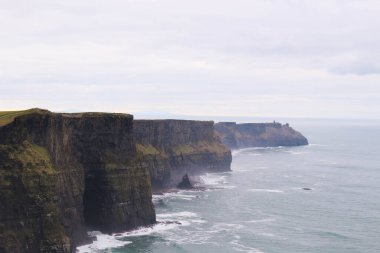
(185, 183)
(171, 148)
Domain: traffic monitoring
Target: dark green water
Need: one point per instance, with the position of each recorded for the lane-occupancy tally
(261, 207)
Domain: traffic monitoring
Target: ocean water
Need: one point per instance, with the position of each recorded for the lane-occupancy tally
(260, 205)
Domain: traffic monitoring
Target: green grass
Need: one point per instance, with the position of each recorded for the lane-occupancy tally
(147, 149)
(28, 185)
(7, 117)
(200, 147)
(193, 148)
(33, 157)
(27, 159)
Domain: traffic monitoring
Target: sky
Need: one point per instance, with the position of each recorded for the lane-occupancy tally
(264, 58)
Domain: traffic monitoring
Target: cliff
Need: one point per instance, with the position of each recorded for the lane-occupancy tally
(63, 173)
(247, 135)
(172, 148)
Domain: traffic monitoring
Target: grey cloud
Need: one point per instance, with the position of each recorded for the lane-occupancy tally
(357, 69)
(187, 56)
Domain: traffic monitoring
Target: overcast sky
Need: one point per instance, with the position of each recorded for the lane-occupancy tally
(285, 58)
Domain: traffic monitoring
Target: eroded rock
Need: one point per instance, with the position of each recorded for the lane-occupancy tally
(185, 183)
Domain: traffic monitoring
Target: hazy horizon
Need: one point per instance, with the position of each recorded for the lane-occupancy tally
(271, 59)
(170, 115)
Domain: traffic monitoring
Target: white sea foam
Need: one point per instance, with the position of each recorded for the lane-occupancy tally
(267, 234)
(181, 218)
(157, 198)
(242, 248)
(261, 221)
(235, 152)
(102, 242)
(157, 228)
(266, 190)
(296, 153)
(315, 144)
(200, 221)
(214, 181)
(254, 154)
(177, 214)
(249, 150)
(211, 179)
(184, 196)
(173, 195)
(166, 221)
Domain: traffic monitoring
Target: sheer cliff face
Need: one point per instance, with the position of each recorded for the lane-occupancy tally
(258, 135)
(62, 173)
(170, 148)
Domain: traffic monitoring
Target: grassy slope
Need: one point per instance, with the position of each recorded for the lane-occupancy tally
(7, 117)
(192, 148)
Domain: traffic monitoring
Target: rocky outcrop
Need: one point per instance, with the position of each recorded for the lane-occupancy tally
(247, 135)
(63, 173)
(172, 148)
(185, 183)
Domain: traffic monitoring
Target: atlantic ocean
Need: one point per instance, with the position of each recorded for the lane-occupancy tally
(324, 197)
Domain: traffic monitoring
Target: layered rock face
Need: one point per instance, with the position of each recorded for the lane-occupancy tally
(63, 173)
(247, 135)
(172, 148)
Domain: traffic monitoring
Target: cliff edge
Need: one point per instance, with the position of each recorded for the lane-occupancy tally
(61, 174)
(248, 135)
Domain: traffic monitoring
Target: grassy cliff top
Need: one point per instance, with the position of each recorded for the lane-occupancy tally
(7, 117)
(171, 120)
(95, 114)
